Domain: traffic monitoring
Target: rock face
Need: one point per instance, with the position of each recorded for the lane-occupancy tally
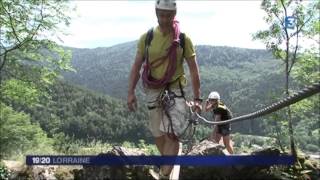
(207, 148)
(200, 172)
(114, 172)
(224, 172)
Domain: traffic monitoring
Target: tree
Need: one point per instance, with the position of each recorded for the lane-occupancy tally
(290, 21)
(17, 134)
(28, 58)
(307, 72)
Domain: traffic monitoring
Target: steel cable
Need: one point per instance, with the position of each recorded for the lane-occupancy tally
(300, 95)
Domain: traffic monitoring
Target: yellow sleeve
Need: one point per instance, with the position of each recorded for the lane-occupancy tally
(189, 49)
(141, 44)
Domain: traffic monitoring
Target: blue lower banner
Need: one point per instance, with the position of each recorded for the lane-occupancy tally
(112, 160)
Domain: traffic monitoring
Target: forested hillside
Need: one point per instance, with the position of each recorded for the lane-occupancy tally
(107, 69)
(246, 78)
(86, 115)
(103, 69)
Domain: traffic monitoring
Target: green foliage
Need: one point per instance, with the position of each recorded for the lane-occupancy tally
(149, 149)
(64, 144)
(80, 116)
(29, 63)
(243, 140)
(306, 112)
(18, 134)
(91, 116)
(307, 71)
(316, 133)
(308, 132)
(4, 172)
(29, 60)
(242, 76)
(276, 35)
(21, 92)
(312, 147)
(202, 132)
(285, 45)
(277, 127)
(88, 116)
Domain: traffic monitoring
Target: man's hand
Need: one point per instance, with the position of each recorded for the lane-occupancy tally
(132, 102)
(208, 105)
(133, 80)
(195, 105)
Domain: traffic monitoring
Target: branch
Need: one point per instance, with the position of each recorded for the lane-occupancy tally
(300, 28)
(12, 26)
(20, 44)
(281, 21)
(287, 38)
(4, 60)
(2, 45)
(295, 52)
(27, 39)
(285, 15)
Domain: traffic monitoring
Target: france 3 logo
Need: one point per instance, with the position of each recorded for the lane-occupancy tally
(290, 22)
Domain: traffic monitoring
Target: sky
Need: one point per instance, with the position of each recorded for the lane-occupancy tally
(217, 23)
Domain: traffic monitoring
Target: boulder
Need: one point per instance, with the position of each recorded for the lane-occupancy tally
(206, 148)
(115, 172)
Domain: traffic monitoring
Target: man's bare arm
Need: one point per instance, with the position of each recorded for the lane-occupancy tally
(133, 80)
(195, 77)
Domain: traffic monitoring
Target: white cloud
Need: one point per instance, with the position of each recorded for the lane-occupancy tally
(106, 23)
(228, 23)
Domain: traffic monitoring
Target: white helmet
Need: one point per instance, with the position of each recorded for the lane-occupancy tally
(214, 95)
(166, 5)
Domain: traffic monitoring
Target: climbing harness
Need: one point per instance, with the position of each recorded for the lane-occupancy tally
(167, 101)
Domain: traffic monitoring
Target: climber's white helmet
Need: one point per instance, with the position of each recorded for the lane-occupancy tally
(214, 95)
(166, 5)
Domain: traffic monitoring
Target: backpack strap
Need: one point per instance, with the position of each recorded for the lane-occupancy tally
(149, 38)
(147, 43)
(182, 42)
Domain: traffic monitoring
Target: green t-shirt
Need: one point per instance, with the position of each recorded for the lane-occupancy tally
(158, 48)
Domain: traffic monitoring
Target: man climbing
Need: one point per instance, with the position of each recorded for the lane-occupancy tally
(162, 51)
(220, 113)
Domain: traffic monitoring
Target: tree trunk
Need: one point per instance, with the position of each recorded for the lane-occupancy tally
(278, 134)
(292, 144)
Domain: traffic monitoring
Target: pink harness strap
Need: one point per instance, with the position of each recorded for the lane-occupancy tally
(153, 83)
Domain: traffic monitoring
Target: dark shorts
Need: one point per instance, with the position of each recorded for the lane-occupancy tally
(224, 129)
